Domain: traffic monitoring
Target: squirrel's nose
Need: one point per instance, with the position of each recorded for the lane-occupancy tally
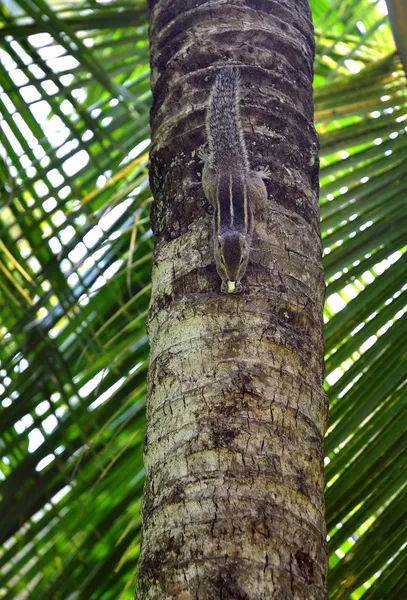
(231, 287)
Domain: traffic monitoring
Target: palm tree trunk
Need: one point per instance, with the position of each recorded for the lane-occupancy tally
(233, 501)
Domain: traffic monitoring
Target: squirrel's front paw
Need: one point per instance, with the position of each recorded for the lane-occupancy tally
(203, 153)
(264, 172)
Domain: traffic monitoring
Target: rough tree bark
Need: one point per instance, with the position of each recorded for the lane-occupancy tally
(233, 502)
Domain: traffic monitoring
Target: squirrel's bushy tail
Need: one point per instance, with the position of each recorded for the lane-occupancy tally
(223, 122)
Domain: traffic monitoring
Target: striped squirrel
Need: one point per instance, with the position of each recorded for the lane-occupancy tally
(234, 190)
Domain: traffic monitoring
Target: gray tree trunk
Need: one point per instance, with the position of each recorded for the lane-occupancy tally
(233, 502)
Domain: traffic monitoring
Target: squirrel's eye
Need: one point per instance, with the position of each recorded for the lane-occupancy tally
(242, 260)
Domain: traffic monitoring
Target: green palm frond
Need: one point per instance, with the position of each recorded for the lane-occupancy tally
(75, 262)
(75, 252)
(364, 229)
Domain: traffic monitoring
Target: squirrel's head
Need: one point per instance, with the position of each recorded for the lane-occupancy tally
(232, 256)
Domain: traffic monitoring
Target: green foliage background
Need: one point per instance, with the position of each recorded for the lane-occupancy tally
(75, 251)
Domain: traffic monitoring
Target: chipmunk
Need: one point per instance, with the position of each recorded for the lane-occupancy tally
(232, 187)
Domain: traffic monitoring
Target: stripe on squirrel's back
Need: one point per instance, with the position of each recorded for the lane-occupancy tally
(223, 203)
(232, 210)
(223, 122)
(241, 212)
